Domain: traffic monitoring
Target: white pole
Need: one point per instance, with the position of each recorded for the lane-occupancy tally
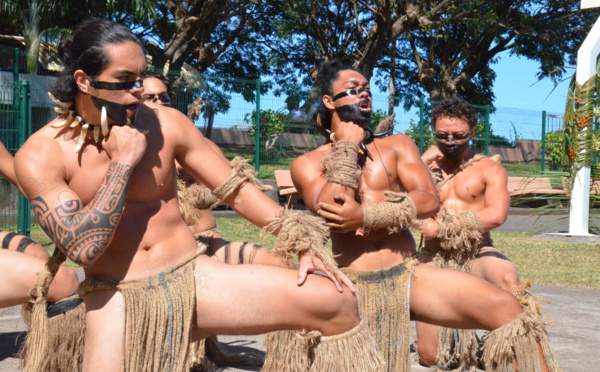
(587, 57)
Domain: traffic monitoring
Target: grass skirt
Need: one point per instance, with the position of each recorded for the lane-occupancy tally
(158, 318)
(384, 302)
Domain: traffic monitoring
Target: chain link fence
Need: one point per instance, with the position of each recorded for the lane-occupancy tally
(270, 130)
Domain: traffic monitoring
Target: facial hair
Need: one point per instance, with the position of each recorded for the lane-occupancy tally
(354, 114)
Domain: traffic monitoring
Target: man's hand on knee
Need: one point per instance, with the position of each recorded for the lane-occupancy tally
(310, 263)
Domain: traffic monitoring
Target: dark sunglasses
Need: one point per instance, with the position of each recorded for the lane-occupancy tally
(446, 138)
(155, 98)
(136, 84)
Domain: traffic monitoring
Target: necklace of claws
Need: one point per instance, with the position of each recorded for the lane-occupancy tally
(73, 120)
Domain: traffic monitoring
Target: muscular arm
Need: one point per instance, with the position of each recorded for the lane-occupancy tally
(84, 232)
(7, 166)
(415, 177)
(81, 232)
(496, 197)
(195, 155)
(307, 176)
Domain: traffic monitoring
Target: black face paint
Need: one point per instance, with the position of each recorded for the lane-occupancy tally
(116, 111)
(354, 114)
(136, 84)
(451, 139)
(350, 92)
(453, 151)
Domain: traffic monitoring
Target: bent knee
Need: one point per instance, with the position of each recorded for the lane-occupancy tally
(427, 355)
(63, 285)
(339, 311)
(505, 308)
(510, 282)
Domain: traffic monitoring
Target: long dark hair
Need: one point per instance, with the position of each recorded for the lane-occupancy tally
(328, 73)
(84, 50)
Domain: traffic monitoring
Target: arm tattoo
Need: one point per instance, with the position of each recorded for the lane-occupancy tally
(83, 233)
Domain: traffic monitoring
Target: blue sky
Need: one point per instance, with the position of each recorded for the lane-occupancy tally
(516, 87)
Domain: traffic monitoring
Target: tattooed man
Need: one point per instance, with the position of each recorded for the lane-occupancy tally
(102, 181)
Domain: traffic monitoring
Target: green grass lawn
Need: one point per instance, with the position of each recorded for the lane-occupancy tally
(539, 261)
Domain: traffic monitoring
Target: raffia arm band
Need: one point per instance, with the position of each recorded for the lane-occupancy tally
(397, 211)
(241, 173)
(341, 164)
(194, 197)
(462, 233)
(299, 234)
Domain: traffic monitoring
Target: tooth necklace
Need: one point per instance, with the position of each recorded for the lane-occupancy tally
(73, 120)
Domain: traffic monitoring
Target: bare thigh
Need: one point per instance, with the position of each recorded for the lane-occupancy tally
(19, 273)
(457, 300)
(496, 268)
(105, 322)
(23, 244)
(253, 299)
(235, 253)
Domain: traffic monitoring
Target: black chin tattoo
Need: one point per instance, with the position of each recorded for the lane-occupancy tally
(115, 111)
(354, 114)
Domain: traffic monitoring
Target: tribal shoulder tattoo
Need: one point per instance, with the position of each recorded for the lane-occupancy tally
(83, 233)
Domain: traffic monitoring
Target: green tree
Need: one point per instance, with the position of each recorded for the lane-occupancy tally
(34, 19)
(272, 125)
(554, 149)
(454, 55)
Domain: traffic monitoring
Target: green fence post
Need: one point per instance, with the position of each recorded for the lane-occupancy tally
(257, 133)
(24, 132)
(487, 130)
(421, 123)
(543, 165)
(16, 66)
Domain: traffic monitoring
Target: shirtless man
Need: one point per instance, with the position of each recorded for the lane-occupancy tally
(107, 197)
(468, 182)
(21, 259)
(372, 244)
(202, 222)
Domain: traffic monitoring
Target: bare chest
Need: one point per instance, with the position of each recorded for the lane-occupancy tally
(152, 178)
(463, 191)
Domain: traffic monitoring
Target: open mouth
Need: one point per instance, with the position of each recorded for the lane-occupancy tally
(132, 107)
(365, 105)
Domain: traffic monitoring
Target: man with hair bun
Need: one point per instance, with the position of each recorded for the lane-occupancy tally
(102, 181)
(371, 190)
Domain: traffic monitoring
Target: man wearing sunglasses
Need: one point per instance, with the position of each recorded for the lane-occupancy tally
(157, 89)
(474, 200)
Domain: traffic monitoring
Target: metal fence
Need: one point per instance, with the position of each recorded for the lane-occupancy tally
(269, 130)
(15, 127)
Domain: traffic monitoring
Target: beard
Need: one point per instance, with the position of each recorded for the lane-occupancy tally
(453, 152)
(354, 114)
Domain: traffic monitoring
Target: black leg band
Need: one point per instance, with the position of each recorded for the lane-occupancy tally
(24, 243)
(7, 239)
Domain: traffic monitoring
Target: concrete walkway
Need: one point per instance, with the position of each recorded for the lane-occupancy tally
(575, 336)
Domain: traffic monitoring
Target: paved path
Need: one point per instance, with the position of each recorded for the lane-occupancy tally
(575, 338)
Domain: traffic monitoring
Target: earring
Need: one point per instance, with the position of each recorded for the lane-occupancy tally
(104, 122)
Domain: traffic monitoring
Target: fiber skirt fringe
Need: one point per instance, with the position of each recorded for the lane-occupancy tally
(384, 303)
(64, 341)
(293, 351)
(158, 318)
